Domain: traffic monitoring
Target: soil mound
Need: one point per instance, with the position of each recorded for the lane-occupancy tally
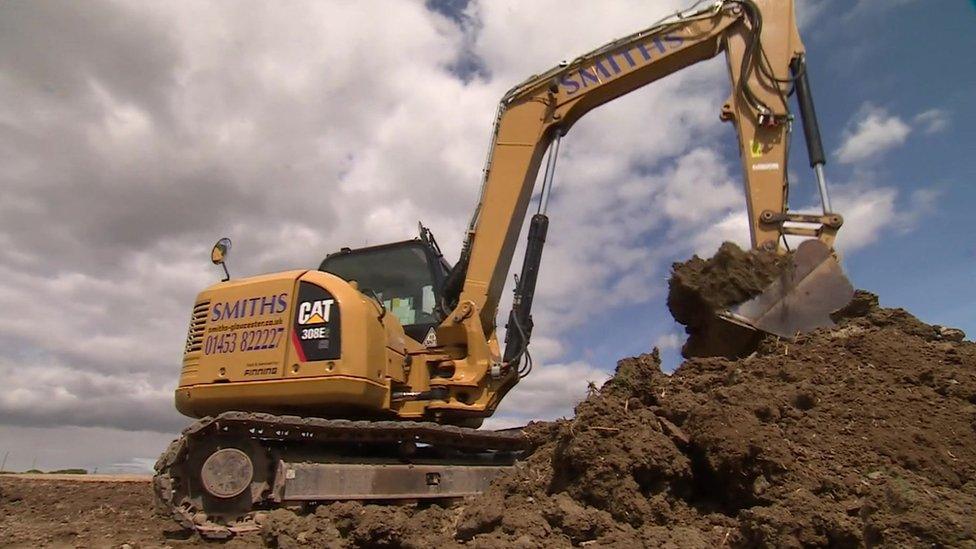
(864, 435)
(700, 287)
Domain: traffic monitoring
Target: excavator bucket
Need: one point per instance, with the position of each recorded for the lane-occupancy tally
(801, 299)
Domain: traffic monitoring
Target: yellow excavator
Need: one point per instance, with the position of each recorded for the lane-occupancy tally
(366, 379)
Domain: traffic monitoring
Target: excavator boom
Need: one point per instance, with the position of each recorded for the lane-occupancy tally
(765, 60)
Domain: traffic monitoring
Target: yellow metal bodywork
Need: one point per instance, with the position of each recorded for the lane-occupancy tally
(224, 371)
(377, 359)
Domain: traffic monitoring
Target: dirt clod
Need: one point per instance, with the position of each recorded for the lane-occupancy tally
(698, 288)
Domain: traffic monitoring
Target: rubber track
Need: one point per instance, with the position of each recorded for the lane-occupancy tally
(311, 431)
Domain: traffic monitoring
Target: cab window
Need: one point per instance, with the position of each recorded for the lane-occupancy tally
(400, 276)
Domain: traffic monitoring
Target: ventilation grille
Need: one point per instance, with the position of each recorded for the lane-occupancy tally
(194, 338)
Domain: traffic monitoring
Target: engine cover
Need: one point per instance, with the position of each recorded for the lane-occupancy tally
(302, 342)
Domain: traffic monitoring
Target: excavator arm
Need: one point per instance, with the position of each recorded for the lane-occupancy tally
(765, 62)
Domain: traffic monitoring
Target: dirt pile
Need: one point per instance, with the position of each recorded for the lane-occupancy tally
(858, 436)
(700, 287)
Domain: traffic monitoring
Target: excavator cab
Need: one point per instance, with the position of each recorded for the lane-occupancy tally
(406, 277)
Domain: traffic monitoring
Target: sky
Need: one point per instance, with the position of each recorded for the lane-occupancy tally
(133, 135)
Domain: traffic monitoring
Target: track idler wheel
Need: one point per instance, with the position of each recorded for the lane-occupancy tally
(227, 473)
(225, 480)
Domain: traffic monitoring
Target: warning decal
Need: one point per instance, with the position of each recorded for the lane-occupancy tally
(431, 339)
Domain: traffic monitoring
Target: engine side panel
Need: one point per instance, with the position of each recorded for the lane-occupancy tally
(245, 330)
(303, 342)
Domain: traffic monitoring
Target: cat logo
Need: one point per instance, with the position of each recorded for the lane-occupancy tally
(315, 312)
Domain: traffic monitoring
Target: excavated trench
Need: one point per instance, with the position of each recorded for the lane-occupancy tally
(862, 435)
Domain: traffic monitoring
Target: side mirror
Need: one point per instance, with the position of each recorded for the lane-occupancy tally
(219, 253)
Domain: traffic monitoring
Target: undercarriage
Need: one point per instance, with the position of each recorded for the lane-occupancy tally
(224, 471)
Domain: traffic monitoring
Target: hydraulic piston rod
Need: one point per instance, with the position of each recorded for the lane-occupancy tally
(811, 129)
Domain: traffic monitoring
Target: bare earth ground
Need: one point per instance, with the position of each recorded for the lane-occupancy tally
(79, 478)
(859, 436)
(81, 511)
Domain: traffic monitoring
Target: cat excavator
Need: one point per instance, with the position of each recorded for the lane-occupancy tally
(367, 378)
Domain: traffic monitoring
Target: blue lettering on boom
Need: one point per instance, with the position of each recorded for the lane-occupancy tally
(644, 51)
(675, 40)
(586, 75)
(571, 85)
(602, 70)
(583, 77)
(627, 56)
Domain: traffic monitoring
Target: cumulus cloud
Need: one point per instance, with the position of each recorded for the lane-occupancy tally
(809, 11)
(669, 341)
(921, 203)
(732, 227)
(861, 8)
(55, 395)
(92, 448)
(867, 211)
(872, 133)
(932, 121)
(870, 210)
(142, 134)
(549, 392)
